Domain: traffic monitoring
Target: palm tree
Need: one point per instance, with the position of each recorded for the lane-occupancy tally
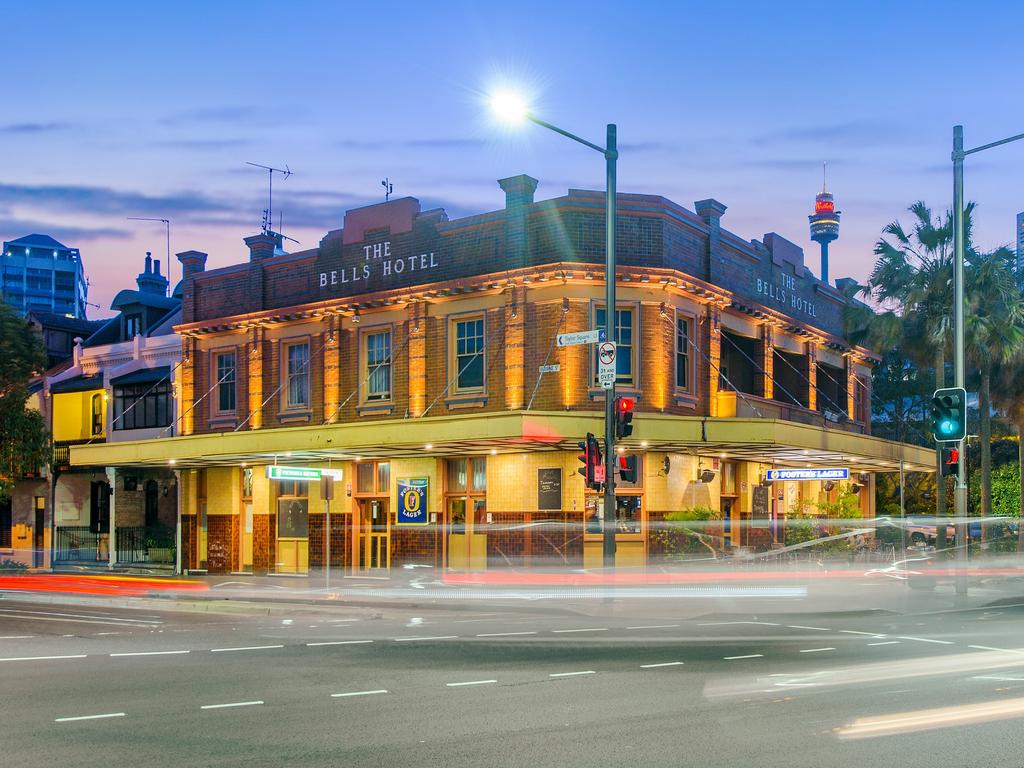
(994, 327)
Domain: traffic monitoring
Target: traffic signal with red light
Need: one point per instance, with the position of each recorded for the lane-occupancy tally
(591, 460)
(950, 461)
(623, 417)
(627, 468)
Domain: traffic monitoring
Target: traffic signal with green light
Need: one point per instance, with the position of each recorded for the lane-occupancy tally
(949, 414)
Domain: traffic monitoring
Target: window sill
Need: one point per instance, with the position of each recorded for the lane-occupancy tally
(224, 420)
(372, 408)
(685, 398)
(294, 416)
(467, 401)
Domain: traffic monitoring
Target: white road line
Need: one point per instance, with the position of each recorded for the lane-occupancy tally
(95, 619)
(663, 664)
(855, 632)
(747, 656)
(725, 623)
(990, 648)
(16, 637)
(87, 717)
(340, 642)
(439, 637)
(816, 650)
(75, 621)
(233, 704)
(926, 640)
(816, 629)
(470, 682)
(150, 653)
(887, 642)
(654, 626)
(591, 629)
(245, 648)
(505, 634)
(357, 693)
(45, 658)
(572, 674)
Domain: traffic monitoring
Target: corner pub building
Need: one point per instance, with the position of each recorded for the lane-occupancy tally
(406, 350)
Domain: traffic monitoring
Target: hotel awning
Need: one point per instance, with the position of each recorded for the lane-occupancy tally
(781, 443)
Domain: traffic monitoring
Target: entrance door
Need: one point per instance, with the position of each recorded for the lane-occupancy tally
(152, 498)
(373, 537)
(39, 533)
(467, 540)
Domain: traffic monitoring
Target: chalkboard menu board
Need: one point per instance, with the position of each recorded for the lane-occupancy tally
(292, 518)
(759, 513)
(549, 489)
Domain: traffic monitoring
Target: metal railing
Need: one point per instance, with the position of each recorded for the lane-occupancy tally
(140, 544)
(79, 544)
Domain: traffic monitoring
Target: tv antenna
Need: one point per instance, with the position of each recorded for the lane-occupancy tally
(388, 188)
(268, 219)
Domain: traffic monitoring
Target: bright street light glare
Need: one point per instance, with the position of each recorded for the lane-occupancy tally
(509, 106)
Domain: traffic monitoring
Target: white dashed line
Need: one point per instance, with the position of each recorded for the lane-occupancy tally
(990, 648)
(410, 639)
(926, 640)
(572, 674)
(470, 682)
(590, 629)
(726, 623)
(505, 634)
(339, 642)
(233, 704)
(655, 626)
(816, 629)
(746, 656)
(45, 658)
(357, 693)
(663, 664)
(149, 653)
(816, 650)
(87, 717)
(16, 637)
(245, 648)
(887, 642)
(855, 632)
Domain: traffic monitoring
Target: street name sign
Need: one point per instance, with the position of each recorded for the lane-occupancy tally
(606, 364)
(824, 473)
(275, 472)
(550, 368)
(581, 337)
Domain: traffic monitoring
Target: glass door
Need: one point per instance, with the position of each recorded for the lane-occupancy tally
(373, 536)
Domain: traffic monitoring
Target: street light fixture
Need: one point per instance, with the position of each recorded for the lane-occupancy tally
(960, 497)
(513, 108)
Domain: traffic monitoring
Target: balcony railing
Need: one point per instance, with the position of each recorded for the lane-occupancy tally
(62, 450)
(733, 405)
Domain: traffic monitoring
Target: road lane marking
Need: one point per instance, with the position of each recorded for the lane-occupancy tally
(663, 664)
(245, 648)
(926, 640)
(590, 629)
(816, 629)
(990, 648)
(746, 656)
(887, 642)
(82, 618)
(150, 653)
(340, 642)
(505, 634)
(572, 674)
(855, 632)
(88, 717)
(438, 637)
(233, 704)
(470, 682)
(726, 623)
(655, 626)
(357, 693)
(816, 650)
(45, 658)
(16, 637)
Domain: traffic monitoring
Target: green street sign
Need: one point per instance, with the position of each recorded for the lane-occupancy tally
(276, 472)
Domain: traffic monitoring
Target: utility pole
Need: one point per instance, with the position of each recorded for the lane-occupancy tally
(960, 495)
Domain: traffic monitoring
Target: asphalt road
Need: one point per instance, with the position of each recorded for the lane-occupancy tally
(596, 685)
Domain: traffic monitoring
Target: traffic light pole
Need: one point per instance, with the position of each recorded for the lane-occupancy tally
(611, 155)
(960, 496)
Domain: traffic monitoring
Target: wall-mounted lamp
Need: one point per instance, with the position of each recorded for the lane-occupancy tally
(663, 310)
(515, 310)
(706, 476)
(355, 317)
(565, 304)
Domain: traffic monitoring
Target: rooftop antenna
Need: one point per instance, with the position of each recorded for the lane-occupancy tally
(167, 225)
(388, 189)
(268, 218)
(824, 176)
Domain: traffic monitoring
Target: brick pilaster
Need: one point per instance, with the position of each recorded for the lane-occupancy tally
(714, 356)
(812, 375)
(417, 330)
(515, 349)
(851, 386)
(768, 360)
(332, 370)
(254, 352)
(186, 384)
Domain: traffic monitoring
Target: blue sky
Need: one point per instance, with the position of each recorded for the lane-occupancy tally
(132, 109)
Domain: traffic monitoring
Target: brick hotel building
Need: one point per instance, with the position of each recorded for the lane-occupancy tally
(408, 347)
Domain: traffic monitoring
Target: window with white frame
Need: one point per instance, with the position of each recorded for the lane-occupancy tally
(468, 354)
(682, 352)
(297, 375)
(224, 370)
(377, 372)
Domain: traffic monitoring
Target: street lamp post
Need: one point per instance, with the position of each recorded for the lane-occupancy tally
(960, 497)
(511, 107)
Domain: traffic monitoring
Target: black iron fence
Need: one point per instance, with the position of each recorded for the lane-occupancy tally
(149, 545)
(78, 544)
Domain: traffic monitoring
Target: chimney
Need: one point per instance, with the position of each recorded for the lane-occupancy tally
(518, 195)
(150, 281)
(192, 263)
(263, 245)
(711, 212)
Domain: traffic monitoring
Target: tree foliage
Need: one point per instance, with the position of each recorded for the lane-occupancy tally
(23, 440)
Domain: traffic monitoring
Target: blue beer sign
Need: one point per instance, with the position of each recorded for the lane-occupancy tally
(412, 502)
(828, 473)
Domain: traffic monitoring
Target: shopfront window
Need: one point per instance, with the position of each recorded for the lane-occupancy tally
(373, 477)
(469, 475)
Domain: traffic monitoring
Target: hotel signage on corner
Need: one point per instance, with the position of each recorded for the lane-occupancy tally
(785, 292)
(376, 263)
